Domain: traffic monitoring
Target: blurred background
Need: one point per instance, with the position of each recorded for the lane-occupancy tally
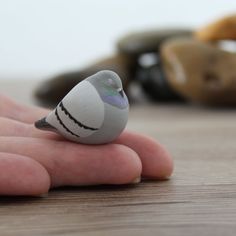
(48, 46)
(42, 38)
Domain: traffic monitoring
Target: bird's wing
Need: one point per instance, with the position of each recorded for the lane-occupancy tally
(82, 110)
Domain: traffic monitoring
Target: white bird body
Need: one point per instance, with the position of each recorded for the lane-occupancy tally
(90, 113)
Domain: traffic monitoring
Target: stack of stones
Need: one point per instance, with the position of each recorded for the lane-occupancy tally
(170, 65)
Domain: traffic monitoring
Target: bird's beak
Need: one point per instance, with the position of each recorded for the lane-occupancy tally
(121, 92)
(43, 124)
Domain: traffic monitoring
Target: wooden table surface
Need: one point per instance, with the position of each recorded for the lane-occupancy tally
(199, 199)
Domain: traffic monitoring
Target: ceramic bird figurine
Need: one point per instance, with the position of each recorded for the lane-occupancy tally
(95, 111)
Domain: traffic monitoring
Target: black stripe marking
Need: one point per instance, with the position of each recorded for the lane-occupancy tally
(63, 125)
(72, 118)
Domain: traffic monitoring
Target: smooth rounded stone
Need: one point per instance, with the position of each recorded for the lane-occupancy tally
(50, 92)
(154, 83)
(95, 111)
(141, 42)
(200, 71)
(221, 29)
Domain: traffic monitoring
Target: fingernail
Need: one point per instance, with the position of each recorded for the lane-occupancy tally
(136, 181)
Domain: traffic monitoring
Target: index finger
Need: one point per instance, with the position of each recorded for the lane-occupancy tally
(17, 111)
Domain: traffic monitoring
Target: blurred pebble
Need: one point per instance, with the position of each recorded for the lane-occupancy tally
(143, 48)
(154, 83)
(50, 92)
(200, 72)
(222, 29)
(141, 42)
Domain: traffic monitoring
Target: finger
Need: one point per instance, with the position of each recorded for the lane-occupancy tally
(21, 175)
(16, 111)
(75, 164)
(10, 127)
(16, 128)
(156, 161)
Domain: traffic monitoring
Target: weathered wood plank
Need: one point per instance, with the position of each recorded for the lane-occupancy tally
(200, 198)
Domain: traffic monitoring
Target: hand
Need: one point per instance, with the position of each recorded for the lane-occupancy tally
(33, 161)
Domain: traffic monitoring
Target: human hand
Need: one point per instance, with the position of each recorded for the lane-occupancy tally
(33, 161)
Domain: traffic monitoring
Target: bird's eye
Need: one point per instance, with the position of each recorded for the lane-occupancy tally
(110, 81)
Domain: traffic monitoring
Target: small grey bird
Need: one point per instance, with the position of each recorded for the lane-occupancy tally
(95, 111)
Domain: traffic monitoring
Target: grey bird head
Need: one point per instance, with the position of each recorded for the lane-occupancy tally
(109, 86)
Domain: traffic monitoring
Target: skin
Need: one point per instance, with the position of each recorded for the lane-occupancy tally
(33, 161)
